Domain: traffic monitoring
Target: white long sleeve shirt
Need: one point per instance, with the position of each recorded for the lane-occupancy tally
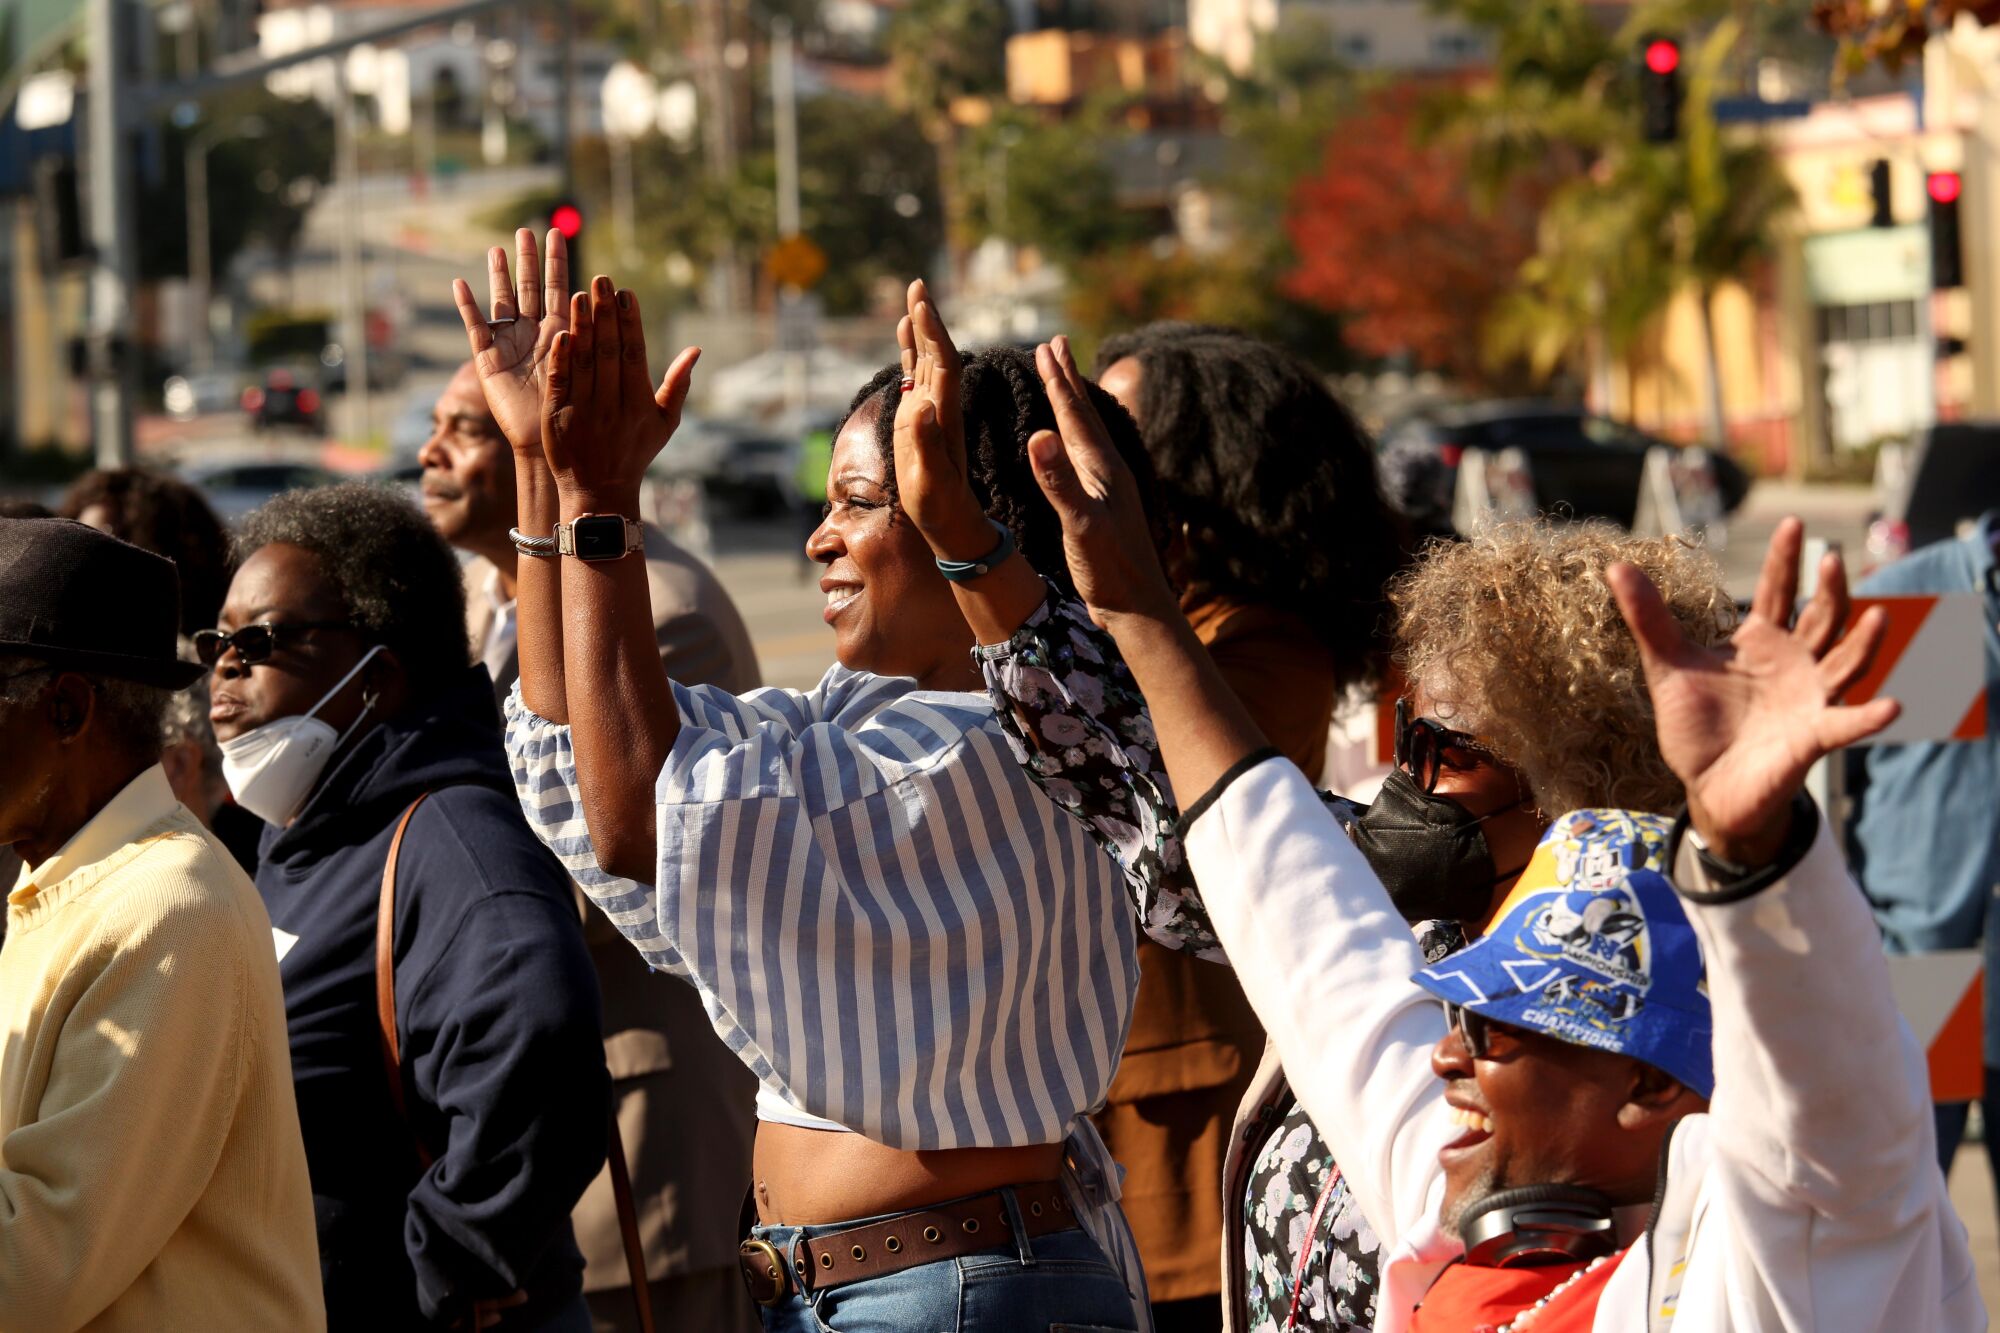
(1808, 1196)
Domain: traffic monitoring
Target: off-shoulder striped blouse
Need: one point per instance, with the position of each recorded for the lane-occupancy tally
(887, 922)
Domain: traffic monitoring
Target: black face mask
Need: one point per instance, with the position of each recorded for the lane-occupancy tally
(1428, 852)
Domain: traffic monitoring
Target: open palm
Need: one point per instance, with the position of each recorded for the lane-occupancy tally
(932, 485)
(1741, 724)
(510, 347)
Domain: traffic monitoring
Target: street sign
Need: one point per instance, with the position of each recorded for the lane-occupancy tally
(796, 262)
(799, 315)
(1756, 111)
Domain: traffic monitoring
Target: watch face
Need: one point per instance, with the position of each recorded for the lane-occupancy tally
(599, 536)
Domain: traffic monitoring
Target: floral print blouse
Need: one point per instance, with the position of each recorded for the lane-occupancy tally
(1075, 720)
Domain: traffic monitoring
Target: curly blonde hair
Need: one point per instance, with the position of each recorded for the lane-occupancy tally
(1514, 636)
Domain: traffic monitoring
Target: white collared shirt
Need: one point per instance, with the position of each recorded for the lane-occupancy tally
(502, 633)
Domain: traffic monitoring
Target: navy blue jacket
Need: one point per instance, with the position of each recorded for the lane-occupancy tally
(497, 1013)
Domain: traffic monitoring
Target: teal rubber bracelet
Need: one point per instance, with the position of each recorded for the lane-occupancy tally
(958, 571)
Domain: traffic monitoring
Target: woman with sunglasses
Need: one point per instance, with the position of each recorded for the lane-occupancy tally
(354, 721)
(928, 967)
(1577, 1176)
(1527, 700)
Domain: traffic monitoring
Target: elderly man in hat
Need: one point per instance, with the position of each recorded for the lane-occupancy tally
(151, 1170)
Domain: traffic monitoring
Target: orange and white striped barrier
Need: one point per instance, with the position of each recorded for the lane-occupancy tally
(1942, 997)
(1933, 661)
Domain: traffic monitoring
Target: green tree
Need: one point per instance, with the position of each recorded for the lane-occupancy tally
(259, 187)
(1047, 184)
(1637, 222)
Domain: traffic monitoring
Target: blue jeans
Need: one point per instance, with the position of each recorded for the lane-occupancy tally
(1060, 1283)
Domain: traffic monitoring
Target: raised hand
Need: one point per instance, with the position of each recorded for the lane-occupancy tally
(602, 421)
(1741, 724)
(510, 349)
(931, 483)
(1106, 538)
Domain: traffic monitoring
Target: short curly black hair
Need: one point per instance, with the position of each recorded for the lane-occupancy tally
(168, 517)
(1001, 395)
(398, 580)
(1272, 481)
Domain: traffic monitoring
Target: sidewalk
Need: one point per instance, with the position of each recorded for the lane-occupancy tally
(1972, 1195)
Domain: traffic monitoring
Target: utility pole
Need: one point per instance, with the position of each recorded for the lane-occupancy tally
(785, 116)
(354, 304)
(785, 136)
(112, 239)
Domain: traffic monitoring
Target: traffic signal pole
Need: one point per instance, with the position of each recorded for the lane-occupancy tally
(119, 101)
(113, 240)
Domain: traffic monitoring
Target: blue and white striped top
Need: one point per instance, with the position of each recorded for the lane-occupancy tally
(887, 922)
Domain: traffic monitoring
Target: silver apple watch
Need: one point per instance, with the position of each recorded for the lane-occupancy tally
(600, 536)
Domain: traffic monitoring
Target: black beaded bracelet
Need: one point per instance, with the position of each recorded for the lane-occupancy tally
(1734, 883)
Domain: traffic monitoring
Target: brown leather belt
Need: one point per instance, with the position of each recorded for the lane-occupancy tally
(921, 1236)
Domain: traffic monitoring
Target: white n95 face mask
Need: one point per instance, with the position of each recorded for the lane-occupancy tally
(271, 769)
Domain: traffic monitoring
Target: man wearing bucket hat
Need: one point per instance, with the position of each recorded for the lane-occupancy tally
(152, 1174)
(1543, 1158)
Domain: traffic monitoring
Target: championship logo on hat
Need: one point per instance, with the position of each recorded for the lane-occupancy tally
(1592, 947)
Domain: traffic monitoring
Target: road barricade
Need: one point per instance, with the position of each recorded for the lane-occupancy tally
(1932, 661)
(1942, 997)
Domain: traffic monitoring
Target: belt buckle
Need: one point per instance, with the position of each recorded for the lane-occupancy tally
(763, 1272)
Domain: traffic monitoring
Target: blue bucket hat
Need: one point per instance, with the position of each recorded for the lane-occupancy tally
(1592, 947)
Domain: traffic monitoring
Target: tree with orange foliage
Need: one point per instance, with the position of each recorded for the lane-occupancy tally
(1389, 236)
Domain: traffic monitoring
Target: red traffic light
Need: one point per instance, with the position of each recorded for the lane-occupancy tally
(1663, 56)
(1943, 186)
(567, 219)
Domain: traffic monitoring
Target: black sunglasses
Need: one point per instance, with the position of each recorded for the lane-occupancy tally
(255, 643)
(1476, 1030)
(1425, 747)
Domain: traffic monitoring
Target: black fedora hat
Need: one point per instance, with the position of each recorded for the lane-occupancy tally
(74, 597)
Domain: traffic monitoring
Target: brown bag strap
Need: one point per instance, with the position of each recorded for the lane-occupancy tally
(385, 979)
(392, 1062)
(628, 1226)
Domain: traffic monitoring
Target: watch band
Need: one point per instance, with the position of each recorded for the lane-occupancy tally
(635, 536)
(958, 571)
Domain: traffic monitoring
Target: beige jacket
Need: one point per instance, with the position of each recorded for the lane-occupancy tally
(152, 1175)
(685, 1103)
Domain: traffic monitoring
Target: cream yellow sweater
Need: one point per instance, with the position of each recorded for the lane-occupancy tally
(151, 1171)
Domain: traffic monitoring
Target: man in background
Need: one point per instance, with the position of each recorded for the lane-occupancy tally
(684, 1101)
(151, 1161)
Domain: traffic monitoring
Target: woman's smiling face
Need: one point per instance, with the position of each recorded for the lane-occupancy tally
(892, 612)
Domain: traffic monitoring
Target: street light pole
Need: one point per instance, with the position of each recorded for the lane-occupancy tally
(201, 278)
(354, 331)
(113, 239)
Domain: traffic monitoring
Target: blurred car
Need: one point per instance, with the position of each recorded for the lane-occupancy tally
(750, 468)
(285, 399)
(237, 486)
(1581, 465)
(198, 394)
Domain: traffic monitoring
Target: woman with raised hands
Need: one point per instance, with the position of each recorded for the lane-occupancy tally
(1649, 966)
(929, 967)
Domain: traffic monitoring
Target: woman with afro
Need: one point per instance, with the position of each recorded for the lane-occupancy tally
(1281, 546)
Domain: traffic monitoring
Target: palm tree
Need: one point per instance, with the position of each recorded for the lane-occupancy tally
(1636, 222)
(939, 52)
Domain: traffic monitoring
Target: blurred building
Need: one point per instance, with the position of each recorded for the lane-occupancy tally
(1836, 347)
(461, 76)
(1398, 35)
